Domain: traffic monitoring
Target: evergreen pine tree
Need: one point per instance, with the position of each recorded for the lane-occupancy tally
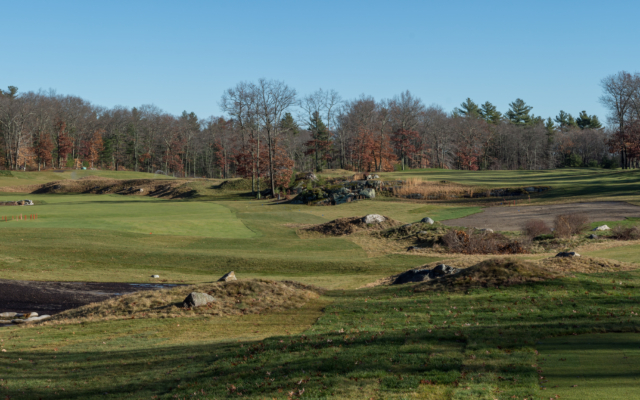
(586, 121)
(565, 120)
(320, 143)
(467, 109)
(519, 113)
(490, 113)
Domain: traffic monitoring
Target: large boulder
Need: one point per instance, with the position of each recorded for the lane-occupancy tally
(373, 219)
(427, 220)
(567, 254)
(369, 193)
(195, 299)
(229, 276)
(423, 274)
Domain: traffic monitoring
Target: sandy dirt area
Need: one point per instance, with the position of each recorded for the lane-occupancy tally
(54, 297)
(512, 218)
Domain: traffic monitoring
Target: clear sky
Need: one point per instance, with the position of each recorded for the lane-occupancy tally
(181, 55)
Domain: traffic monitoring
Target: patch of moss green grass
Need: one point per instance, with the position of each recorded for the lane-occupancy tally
(384, 342)
(592, 367)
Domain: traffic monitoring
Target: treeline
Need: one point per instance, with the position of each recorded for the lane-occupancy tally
(268, 131)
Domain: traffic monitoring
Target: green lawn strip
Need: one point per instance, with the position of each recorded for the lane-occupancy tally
(625, 253)
(383, 342)
(596, 366)
(137, 214)
(18, 178)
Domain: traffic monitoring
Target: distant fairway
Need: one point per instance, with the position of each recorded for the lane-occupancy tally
(136, 214)
(18, 178)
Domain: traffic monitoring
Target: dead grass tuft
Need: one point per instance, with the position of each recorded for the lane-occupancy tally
(625, 233)
(232, 298)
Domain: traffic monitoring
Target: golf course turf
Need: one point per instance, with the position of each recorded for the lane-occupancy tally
(574, 336)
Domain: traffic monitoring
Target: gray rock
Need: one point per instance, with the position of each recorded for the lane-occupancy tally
(8, 314)
(369, 193)
(530, 189)
(422, 233)
(196, 299)
(311, 176)
(373, 218)
(229, 276)
(32, 319)
(421, 275)
(593, 236)
(602, 228)
(427, 220)
(32, 314)
(155, 276)
(567, 254)
(486, 230)
(376, 177)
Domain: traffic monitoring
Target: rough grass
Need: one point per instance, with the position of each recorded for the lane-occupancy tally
(495, 272)
(232, 298)
(348, 226)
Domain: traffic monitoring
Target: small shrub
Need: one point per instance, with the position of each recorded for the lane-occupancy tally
(535, 227)
(621, 233)
(488, 243)
(567, 225)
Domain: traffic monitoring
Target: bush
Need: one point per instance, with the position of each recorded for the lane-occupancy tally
(535, 227)
(621, 233)
(468, 242)
(567, 225)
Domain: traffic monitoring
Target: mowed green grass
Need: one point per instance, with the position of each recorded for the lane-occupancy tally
(129, 238)
(567, 184)
(592, 367)
(138, 214)
(385, 342)
(19, 178)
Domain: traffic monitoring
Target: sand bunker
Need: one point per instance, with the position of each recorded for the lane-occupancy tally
(512, 218)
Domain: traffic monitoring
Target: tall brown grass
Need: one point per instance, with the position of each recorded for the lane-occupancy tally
(432, 190)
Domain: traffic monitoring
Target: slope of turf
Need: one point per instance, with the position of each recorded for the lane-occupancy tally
(385, 342)
(20, 178)
(592, 367)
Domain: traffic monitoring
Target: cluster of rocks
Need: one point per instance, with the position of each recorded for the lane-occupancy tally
(198, 299)
(567, 254)
(421, 275)
(17, 203)
(7, 318)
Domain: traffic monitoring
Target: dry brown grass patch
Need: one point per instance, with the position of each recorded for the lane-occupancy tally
(586, 265)
(433, 190)
(348, 226)
(495, 272)
(255, 296)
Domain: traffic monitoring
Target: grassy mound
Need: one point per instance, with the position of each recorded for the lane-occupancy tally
(586, 265)
(348, 226)
(243, 185)
(496, 272)
(232, 298)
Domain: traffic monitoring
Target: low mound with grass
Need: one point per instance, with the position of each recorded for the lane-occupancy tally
(586, 265)
(348, 226)
(495, 272)
(231, 298)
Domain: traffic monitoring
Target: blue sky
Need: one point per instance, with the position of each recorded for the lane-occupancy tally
(182, 55)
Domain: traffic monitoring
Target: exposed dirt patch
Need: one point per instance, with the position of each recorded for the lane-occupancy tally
(54, 297)
(241, 297)
(348, 226)
(513, 218)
